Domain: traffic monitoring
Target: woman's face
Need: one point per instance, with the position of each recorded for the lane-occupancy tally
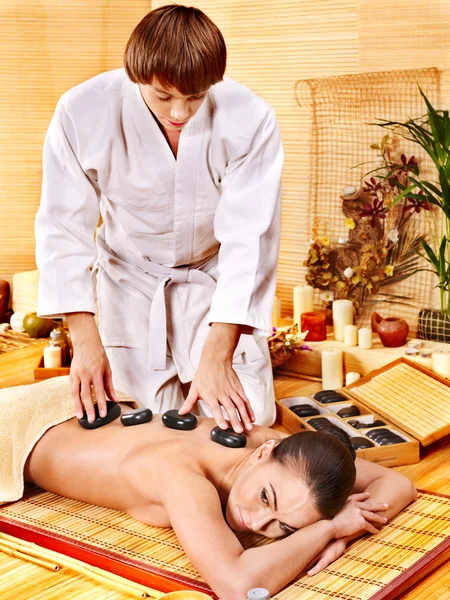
(267, 499)
(172, 109)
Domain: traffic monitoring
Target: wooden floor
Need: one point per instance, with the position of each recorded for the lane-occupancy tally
(25, 581)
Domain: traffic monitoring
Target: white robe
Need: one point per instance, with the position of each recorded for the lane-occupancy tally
(199, 233)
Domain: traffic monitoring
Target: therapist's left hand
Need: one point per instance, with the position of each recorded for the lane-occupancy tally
(216, 382)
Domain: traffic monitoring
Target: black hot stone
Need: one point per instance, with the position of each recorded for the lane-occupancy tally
(376, 433)
(113, 411)
(228, 437)
(321, 423)
(304, 410)
(359, 443)
(356, 424)
(376, 423)
(391, 441)
(349, 411)
(335, 398)
(324, 394)
(173, 420)
(136, 417)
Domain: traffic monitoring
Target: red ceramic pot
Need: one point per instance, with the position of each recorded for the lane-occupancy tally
(393, 331)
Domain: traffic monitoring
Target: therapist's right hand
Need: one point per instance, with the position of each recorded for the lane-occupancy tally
(90, 370)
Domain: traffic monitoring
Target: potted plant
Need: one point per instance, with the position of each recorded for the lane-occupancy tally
(432, 133)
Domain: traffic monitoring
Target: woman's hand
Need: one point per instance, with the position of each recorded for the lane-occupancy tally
(332, 551)
(357, 515)
(90, 367)
(216, 382)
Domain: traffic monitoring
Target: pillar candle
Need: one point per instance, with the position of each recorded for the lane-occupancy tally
(52, 357)
(365, 338)
(332, 369)
(350, 335)
(315, 323)
(441, 363)
(303, 301)
(352, 377)
(276, 312)
(342, 316)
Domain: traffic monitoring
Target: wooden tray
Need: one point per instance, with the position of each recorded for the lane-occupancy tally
(377, 567)
(406, 453)
(412, 397)
(40, 372)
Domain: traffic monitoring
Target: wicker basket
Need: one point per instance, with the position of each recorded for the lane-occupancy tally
(434, 325)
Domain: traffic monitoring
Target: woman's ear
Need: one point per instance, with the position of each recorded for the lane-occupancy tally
(263, 452)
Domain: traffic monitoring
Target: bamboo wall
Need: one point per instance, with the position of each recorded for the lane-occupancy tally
(48, 46)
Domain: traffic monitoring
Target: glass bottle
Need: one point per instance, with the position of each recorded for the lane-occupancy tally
(53, 352)
(65, 352)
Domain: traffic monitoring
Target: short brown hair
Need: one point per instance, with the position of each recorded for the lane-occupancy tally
(180, 46)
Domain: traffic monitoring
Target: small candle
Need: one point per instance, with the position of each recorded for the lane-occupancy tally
(350, 335)
(415, 344)
(440, 361)
(342, 316)
(365, 338)
(276, 312)
(303, 301)
(315, 323)
(52, 357)
(332, 369)
(352, 377)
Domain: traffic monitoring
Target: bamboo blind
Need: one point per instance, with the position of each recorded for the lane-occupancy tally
(48, 46)
(343, 112)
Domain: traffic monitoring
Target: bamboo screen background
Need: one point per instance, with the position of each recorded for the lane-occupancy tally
(48, 46)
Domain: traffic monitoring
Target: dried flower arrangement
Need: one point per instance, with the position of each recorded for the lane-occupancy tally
(284, 342)
(382, 245)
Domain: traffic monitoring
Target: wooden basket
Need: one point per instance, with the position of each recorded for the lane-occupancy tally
(390, 394)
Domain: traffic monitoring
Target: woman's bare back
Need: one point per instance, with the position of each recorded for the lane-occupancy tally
(123, 467)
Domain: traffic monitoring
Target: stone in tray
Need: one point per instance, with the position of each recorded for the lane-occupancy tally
(304, 410)
(359, 443)
(327, 396)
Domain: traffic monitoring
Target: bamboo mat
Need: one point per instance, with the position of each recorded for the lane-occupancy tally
(374, 568)
(12, 340)
(410, 398)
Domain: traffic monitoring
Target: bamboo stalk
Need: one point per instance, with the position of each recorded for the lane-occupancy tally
(104, 577)
(32, 559)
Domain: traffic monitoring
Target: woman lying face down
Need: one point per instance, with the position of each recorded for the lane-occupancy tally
(305, 489)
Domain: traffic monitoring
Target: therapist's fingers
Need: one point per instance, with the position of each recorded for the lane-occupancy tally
(75, 385)
(190, 402)
(97, 384)
(109, 388)
(240, 390)
(241, 408)
(86, 399)
(216, 410)
(232, 414)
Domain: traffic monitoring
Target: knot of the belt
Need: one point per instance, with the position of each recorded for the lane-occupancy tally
(158, 319)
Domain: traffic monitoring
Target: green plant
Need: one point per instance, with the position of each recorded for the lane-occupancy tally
(432, 133)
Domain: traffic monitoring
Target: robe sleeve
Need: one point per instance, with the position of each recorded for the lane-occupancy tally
(247, 225)
(65, 223)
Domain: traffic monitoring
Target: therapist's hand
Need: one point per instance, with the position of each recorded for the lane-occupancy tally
(90, 368)
(216, 382)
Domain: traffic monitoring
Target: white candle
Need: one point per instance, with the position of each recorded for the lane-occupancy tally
(303, 301)
(352, 377)
(332, 369)
(350, 335)
(342, 316)
(441, 363)
(365, 338)
(52, 357)
(276, 312)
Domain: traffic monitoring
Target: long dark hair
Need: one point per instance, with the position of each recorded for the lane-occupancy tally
(325, 461)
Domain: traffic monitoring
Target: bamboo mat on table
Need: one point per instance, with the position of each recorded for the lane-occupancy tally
(375, 568)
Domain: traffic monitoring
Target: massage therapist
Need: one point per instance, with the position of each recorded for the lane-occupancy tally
(183, 166)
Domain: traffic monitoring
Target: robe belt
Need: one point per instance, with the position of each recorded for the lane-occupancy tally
(157, 342)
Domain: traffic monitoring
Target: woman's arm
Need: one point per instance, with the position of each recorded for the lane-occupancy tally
(194, 510)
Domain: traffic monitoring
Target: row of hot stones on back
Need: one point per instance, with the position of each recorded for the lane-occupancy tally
(171, 419)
